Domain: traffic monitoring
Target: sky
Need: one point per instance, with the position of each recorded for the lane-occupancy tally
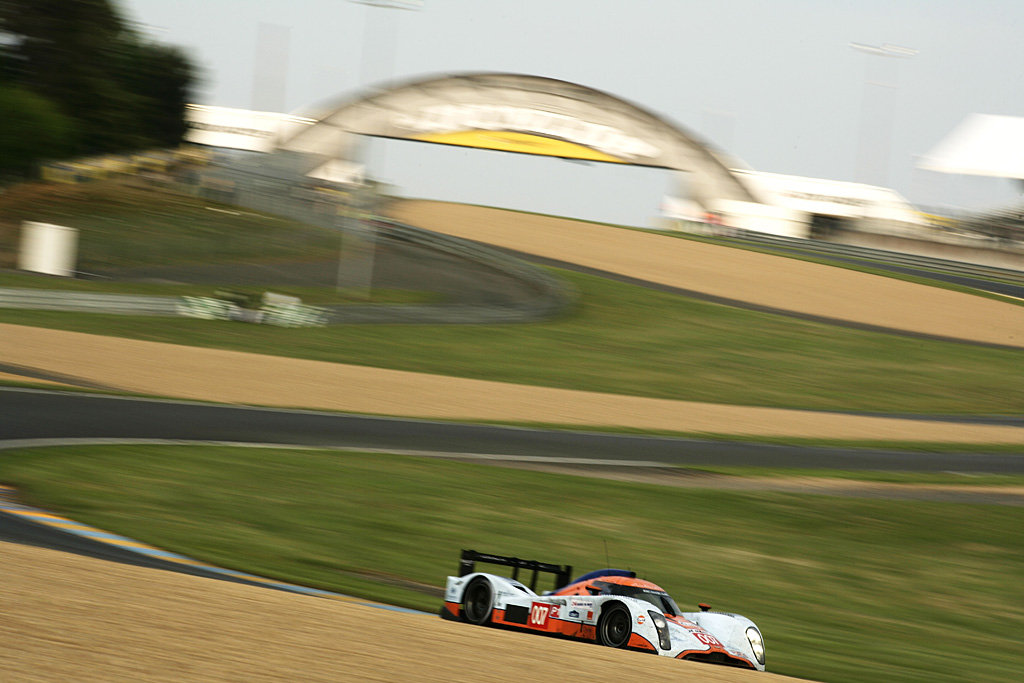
(774, 82)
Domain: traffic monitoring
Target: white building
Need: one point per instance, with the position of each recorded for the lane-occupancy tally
(795, 206)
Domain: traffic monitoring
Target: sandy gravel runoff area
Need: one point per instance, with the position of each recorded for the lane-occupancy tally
(71, 618)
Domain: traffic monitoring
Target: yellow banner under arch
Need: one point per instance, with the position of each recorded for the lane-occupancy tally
(510, 141)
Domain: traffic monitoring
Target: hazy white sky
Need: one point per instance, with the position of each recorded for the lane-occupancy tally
(772, 81)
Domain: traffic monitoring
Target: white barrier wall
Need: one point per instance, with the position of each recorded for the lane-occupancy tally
(832, 197)
(49, 249)
(772, 220)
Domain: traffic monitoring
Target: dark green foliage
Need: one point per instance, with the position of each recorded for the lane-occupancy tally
(161, 77)
(32, 128)
(120, 92)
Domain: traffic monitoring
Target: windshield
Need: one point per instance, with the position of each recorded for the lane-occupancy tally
(659, 599)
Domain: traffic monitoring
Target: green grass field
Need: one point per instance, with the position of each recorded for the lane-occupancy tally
(844, 590)
(124, 224)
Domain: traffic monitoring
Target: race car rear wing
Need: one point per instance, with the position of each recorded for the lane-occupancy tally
(467, 565)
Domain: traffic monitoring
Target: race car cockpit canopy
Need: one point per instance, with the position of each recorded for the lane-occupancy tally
(624, 583)
(605, 572)
(659, 598)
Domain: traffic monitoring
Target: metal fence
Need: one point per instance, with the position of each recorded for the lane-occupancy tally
(87, 302)
(277, 185)
(869, 255)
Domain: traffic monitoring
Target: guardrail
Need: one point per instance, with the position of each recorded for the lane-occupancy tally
(88, 302)
(552, 295)
(870, 254)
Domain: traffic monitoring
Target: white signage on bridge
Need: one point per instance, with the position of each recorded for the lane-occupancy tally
(445, 118)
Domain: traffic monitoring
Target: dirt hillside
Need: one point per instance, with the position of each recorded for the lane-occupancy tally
(747, 276)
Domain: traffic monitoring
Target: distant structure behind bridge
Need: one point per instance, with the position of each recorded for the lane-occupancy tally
(546, 117)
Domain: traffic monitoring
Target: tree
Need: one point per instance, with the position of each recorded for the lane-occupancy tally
(162, 76)
(32, 129)
(120, 92)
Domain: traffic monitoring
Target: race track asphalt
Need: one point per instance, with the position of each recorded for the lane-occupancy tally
(27, 414)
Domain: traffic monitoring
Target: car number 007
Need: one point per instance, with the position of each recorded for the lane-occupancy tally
(539, 614)
(708, 639)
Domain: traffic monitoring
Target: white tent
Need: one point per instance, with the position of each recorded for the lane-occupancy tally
(983, 144)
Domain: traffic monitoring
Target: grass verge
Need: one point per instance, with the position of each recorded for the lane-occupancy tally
(844, 590)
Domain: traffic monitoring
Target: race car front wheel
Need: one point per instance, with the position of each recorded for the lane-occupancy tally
(615, 626)
(477, 601)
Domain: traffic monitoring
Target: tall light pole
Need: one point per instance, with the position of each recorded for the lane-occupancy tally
(357, 225)
(391, 49)
(364, 74)
(879, 98)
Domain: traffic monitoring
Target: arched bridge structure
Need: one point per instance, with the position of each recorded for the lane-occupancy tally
(523, 114)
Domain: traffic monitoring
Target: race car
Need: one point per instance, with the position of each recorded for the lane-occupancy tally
(609, 606)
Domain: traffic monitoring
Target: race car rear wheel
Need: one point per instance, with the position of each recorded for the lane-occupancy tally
(477, 601)
(615, 626)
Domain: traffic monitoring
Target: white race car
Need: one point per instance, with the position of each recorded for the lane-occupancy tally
(609, 606)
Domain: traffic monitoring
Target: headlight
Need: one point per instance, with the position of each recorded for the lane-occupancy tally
(756, 644)
(665, 640)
